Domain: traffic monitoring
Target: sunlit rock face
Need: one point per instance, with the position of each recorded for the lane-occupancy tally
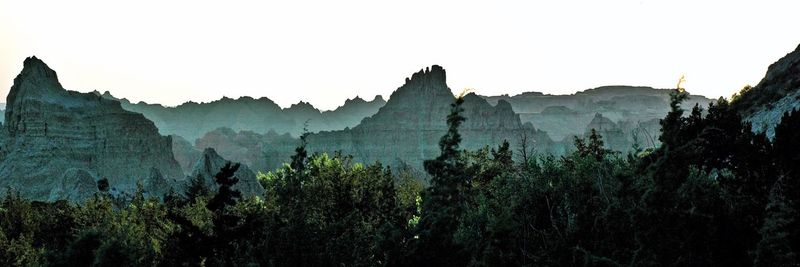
(406, 131)
(50, 130)
(779, 92)
(210, 164)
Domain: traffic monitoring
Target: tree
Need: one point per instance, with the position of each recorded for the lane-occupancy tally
(443, 202)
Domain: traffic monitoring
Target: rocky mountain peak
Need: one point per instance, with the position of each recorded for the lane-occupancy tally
(35, 67)
(35, 79)
(302, 105)
(426, 88)
(356, 100)
(430, 77)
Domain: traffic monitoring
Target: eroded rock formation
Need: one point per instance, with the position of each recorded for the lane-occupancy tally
(51, 132)
(406, 130)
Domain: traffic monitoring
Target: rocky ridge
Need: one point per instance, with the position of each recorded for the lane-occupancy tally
(777, 93)
(564, 116)
(193, 120)
(55, 141)
(406, 130)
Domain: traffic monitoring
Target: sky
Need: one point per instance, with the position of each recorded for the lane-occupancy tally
(325, 52)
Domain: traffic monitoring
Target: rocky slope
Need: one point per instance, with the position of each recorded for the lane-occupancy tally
(54, 141)
(776, 94)
(192, 120)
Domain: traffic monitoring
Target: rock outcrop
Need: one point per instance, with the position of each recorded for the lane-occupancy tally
(210, 164)
(50, 131)
(779, 92)
(406, 130)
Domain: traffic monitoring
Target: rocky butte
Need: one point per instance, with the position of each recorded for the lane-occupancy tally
(406, 131)
(56, 143)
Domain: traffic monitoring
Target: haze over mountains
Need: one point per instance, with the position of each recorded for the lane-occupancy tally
(56, 143)
(192, 120)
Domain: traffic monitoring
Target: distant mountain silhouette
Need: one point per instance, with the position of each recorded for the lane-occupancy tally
(634, 110)
(192, 120)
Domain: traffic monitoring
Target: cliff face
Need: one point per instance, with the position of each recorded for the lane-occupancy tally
(406, 130)
(50, 130)
(776, 94)
(192, 120)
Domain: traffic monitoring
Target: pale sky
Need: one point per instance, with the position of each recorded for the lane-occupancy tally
(324, 52)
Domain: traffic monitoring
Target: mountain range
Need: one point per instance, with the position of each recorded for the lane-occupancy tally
(56, 144)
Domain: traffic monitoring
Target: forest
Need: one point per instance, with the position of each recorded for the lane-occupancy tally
(712, 194)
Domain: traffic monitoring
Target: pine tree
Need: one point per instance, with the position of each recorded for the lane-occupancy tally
(226, 195)
(443, 204)
(673, 122)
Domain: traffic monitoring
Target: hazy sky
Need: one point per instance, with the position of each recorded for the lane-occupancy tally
(327, 51)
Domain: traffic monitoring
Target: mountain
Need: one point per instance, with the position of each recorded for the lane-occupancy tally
(406, 130)
(54, 141)
(244, 146)
(632, 108)
(778, 92)
(210, 163)
(192, 120)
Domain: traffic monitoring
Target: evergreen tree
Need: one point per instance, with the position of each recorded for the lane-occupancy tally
(443, 202)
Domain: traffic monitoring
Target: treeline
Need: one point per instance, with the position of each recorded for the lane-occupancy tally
(713, 194)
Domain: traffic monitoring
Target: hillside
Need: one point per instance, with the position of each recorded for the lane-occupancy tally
(777, 93)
